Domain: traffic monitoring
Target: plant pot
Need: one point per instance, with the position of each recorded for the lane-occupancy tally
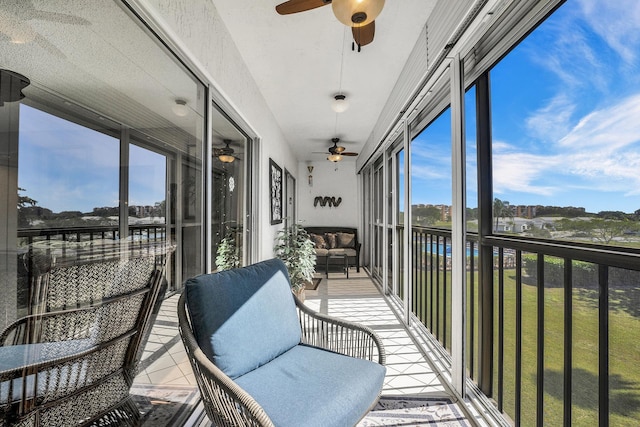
(299, 293)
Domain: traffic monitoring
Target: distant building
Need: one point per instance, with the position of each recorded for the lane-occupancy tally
(524, 211)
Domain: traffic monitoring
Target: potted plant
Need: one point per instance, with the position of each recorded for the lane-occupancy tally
(228, 253)
(296, 249)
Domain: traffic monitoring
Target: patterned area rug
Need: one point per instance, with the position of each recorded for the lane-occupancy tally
(414, 412)
(165, 405)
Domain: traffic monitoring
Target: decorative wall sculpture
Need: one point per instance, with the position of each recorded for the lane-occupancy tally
(326, 200)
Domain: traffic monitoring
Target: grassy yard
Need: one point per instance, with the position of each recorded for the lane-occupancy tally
(624, 355)
(624, 358)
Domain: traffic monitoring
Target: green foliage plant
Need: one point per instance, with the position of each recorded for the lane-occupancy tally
(294, 247)
(228, 253)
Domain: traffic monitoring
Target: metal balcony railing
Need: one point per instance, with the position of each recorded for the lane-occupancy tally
(31, 237)
(552, 331)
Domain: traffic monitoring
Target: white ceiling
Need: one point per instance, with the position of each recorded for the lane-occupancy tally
(296, 61)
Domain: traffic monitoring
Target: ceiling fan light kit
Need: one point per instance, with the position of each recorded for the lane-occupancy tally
(357, 13)
(334, 157)
(339, 103)
(225, 154)
(226, 158)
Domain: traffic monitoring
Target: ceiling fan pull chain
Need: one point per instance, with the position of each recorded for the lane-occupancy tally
(353, 46)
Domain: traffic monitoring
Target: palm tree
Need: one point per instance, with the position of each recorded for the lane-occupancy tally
(501, 209)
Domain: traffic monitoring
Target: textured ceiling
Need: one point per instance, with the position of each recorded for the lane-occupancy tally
(71, 49)
(296, 61)
(299, 62)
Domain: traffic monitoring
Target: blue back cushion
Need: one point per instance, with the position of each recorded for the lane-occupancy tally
(243, 318)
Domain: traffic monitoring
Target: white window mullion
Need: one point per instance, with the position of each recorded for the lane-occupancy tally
(458, 240)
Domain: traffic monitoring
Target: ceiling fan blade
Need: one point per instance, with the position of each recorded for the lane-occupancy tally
(364, 35)
(295, 6)
(348, 153)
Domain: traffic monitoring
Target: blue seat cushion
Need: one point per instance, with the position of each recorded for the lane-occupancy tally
(308, 386)
(245, 317)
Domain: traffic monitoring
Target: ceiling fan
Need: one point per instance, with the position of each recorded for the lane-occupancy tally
(336, 152)
(360, 15)
(225, 154)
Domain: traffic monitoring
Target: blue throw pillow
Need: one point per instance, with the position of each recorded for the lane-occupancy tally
(243, 318)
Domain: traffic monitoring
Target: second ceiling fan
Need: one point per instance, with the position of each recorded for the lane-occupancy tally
(360, 15)
(337, 151)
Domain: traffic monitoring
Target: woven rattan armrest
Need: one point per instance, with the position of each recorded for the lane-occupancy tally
(225, 402)
(348, 338)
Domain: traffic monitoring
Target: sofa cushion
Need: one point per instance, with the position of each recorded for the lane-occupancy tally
(346, 240)
(331, 240)
(318, 240)
(311, 387)
(342, 251)
(245, 317)
(322, 252)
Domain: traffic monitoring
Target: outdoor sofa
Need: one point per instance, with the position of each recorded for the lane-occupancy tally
(332, 243)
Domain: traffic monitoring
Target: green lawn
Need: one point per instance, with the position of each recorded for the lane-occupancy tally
(624, 355)
(624, 358)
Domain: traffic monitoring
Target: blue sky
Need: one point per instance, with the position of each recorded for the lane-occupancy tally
(67, 167)
(566, 128)
(566, 116)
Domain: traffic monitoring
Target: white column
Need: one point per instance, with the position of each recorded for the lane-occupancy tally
(458, 241)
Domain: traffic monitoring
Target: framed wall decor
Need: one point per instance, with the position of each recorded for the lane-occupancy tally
(275, 187)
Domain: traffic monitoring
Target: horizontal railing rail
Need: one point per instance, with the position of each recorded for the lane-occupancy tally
(79, 234)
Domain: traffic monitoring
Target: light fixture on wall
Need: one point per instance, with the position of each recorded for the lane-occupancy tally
(180, 108)
(357, 13)
(310, 169)
(339, 103)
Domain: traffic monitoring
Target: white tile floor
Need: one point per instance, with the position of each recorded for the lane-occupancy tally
(164, 360)
(356, 299)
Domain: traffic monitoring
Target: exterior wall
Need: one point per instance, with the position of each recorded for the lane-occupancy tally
(329, 180)
(204, 36)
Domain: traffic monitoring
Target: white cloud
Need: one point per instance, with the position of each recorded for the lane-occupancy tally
(552, 121)
(590, 135)
(608, 129)
(429, 172)
(617, 22)
(520, 172)
(600, 153)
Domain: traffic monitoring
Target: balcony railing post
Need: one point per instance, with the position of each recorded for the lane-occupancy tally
(500, 366)
(485, 228)
(518, 354)
(568, 339)
(540, 343)
(603, 346)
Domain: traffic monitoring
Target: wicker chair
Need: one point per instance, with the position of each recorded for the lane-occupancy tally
(226, 399)
(73, 360)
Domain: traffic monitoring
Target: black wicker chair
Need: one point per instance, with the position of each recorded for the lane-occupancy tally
(72, 360)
